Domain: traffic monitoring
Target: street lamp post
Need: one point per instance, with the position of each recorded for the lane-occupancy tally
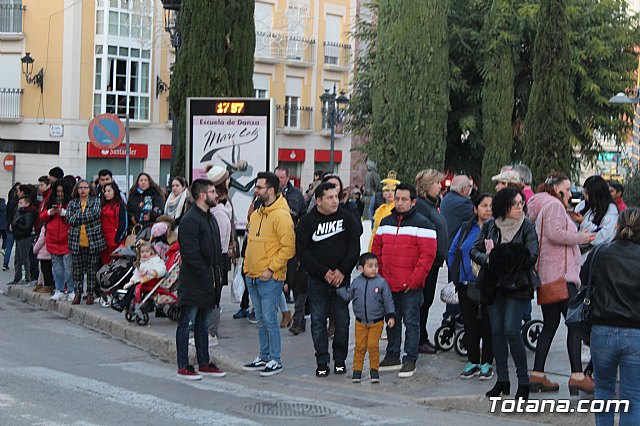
(330, 105)
(172, 26)
(621, 98)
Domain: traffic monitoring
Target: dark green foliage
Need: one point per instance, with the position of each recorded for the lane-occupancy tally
(410, 87)
(215, 58)
(632, 191)
(547, 148)
(498, 92)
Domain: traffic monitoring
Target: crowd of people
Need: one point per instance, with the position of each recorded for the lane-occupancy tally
(499, 249)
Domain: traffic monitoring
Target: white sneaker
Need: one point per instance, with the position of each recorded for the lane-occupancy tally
(71, 296)
(57, 295)
(213, 341)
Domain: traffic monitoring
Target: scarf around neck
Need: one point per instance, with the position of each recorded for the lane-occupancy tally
(509, 227)
(175, 205)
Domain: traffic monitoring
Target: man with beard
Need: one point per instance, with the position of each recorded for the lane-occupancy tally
(271, 243)
(201, 250)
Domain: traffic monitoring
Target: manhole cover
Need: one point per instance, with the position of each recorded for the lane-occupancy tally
(289, 409)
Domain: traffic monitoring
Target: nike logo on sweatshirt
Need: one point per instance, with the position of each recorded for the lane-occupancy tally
(327, 230)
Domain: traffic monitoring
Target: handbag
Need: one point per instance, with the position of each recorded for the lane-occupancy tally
(449, 294)
(579, 317)
(556, 290)
(237, 289)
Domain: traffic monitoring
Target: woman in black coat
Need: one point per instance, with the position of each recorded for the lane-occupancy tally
(507, 250)
(145, 202)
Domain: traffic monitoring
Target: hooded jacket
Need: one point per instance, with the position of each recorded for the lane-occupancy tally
(23, 222)
(57, 236)
(372, 300)
(559, 239)
(405, 245)
(270, 240)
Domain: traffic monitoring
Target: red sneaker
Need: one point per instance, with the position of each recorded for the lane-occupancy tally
(211, 370)
(188, 373)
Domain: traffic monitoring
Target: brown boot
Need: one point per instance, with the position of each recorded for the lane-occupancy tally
(586, 385)
(90, 299)
(37, 288)
(286, 319)
(76, 299)
(44, 290)
(542, 384)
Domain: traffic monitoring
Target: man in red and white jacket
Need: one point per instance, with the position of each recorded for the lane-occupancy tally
(406, 244)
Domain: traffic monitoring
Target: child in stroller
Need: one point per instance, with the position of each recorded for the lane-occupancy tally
(115, 274)
(149, 266)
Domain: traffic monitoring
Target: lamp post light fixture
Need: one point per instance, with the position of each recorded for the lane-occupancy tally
(331, 103)
(621, 98)
(27, 70)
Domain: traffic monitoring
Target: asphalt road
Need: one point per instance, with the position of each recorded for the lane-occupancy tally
(54, 372)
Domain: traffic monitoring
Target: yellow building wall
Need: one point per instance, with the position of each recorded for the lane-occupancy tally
(87, 61)
(43, 23)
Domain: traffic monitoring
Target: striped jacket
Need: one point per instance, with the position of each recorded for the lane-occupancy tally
(91, 219)
(406, 248)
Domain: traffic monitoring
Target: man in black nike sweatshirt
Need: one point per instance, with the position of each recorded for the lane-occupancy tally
(328, 246)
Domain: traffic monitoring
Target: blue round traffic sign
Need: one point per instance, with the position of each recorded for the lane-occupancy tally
(106, 131)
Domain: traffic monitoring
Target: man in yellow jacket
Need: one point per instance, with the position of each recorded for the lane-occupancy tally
(270, 244)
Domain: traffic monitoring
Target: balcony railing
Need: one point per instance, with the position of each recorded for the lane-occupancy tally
(294, 118)
(271, 47)
(337, 54)
(10, 104)
(11, 18)
(301, 50)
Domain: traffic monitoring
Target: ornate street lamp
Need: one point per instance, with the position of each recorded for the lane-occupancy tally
(27, 70)
(331, 103)
(621, 98)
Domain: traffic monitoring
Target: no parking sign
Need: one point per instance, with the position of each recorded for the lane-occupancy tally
(106, 131)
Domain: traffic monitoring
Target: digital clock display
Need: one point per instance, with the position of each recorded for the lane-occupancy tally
(230, 108)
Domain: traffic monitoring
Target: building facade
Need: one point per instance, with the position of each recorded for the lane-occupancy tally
(113, 56)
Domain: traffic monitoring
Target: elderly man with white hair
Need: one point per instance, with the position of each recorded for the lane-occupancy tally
(456, 206)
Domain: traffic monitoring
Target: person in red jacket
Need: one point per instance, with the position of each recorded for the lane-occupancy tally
(405, 244)
(56, 239)
(113, 218)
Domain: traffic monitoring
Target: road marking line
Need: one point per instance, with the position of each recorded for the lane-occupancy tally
(150, 403)
(224, 386)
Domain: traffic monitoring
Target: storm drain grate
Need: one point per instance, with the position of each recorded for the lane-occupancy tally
(289, 409)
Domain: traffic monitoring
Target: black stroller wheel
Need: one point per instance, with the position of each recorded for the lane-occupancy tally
(444, 338)
(129, 316)
(144, 320)
(531, 332)
(459, 346)
(172, 313)
(105, 300)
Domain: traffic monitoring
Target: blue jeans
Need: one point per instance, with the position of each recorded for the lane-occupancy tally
(62, 266)
(265, 297)
(614, 348)
(198, 320)
(407, 312)
(7, 250)
(321, 296)
(505, 315)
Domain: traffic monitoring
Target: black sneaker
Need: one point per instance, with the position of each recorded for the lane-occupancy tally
(389, 364)
(408, 369)
(375, 376)
(272, 368)
(339, 367)
(357, 376)
(255, 365)
(322, 370)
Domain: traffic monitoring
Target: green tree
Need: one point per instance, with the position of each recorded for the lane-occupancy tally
(547, 146)
(410, 86)
(215, 58)
(498, 92)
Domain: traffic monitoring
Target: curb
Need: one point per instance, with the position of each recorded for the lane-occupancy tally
(145, 338)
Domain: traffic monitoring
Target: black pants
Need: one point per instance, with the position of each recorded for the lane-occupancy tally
(551, 315)
(476, 327)
(47, 272)
(300, 297)
(429, 292)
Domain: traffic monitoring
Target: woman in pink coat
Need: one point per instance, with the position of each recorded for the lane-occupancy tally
(559, 256)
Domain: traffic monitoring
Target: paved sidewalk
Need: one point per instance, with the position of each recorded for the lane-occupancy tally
(436, 381)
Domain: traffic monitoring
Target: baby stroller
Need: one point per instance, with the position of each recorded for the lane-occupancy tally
(159, 293)
(115, 274)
